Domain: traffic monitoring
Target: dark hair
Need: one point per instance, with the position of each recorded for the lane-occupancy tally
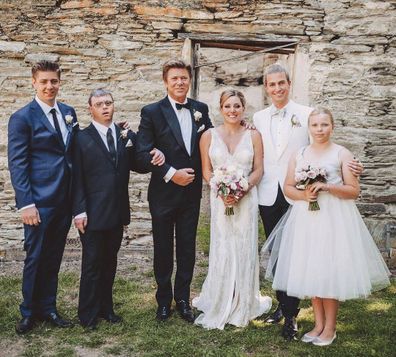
(46, 66)
(232, 93)
(100, 92)
(321, 110)
(175, 63)
(275, 68)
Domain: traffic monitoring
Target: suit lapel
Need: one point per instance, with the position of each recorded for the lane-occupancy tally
(96, 136)
(44, 120)
(173, 122)
(68, 127)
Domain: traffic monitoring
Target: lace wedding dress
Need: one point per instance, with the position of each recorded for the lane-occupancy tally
(230, 293)
(327, 253)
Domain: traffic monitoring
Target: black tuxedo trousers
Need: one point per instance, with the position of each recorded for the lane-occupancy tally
(270, 216)
(174, 224)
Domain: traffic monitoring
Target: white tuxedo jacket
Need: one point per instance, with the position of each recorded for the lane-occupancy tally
(276, 160)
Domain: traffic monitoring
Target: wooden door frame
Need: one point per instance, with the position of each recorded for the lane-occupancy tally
(244, 43)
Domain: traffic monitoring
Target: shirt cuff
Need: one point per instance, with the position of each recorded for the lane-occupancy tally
(28, 206)
(81, 215)
(169, 174)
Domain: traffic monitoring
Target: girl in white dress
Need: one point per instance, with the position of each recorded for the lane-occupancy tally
(328, 255)
(230, 293)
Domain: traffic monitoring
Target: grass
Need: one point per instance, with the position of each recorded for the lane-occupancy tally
(365, 327)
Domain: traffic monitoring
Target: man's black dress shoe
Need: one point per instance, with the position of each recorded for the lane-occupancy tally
(184, 309)
(290, 329)
(112, 318)
(57, 321)
(25, 325)
(276, 316)
(163, 313)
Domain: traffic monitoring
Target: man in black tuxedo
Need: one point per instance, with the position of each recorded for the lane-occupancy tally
(40, 137)
(174, 125)
(103, 156)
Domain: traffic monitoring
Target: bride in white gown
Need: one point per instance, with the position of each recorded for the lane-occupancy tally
(230, 293)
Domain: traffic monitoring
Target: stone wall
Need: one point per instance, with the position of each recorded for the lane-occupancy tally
(350, 47)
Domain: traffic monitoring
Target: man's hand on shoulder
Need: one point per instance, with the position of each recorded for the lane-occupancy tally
(30, 216)
(81, 223)
(183, 177)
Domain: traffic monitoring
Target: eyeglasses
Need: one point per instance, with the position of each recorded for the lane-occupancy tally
(107, 103)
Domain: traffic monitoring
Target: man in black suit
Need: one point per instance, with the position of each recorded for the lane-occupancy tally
(103, 156)
(174, 125)
(40, 138)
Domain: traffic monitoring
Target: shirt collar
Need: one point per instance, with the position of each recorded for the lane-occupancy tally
(103, 128)
(274, 109)
(173, 102)
(46, 108)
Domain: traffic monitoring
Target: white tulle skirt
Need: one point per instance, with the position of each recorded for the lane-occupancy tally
(327, 253)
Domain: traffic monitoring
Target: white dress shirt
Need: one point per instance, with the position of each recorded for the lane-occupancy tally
(279, 126)
(185, 121)
(102, 130)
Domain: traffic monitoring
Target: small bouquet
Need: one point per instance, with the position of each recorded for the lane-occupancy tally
(307, 175)
(229, 181)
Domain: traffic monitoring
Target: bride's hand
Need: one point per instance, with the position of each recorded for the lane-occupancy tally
(230, 200)
(318, 186)
(309, 195)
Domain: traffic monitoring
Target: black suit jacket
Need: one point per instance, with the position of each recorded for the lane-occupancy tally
(100, 187)
(160, 128)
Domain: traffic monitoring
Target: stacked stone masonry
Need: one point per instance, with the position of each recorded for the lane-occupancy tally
(350, 47)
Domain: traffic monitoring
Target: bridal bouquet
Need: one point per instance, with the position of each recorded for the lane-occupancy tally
(306, 176)
(229, 181)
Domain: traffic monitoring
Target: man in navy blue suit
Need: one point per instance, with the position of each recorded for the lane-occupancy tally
(39, 159)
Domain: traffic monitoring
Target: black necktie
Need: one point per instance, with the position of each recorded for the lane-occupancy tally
(110, 143)
(185, 105)
(56, 124)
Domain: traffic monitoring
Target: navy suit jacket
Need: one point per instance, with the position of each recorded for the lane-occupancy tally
(39, 162)
(160, 128)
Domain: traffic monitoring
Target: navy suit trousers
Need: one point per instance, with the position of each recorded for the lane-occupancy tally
(44, 245)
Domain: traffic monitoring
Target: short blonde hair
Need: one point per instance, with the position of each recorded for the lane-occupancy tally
(232, 93)
(322, 110)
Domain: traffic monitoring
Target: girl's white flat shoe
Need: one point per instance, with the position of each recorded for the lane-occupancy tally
(307, 338)
(320, 342)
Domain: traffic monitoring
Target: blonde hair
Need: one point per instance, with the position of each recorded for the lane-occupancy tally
(232, 93)
(322, 110)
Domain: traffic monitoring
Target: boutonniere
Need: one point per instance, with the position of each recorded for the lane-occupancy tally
(197, 115)
(124, 134)
(69, 119)
(295, 122)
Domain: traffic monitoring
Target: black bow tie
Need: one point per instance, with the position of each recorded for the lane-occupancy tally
(185, 105)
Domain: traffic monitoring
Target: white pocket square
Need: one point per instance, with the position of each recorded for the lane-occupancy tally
(202, 127)
(129, 143)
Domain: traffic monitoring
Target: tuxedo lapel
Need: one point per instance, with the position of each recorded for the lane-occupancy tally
(193, 127)
(267, 131)
(96, 137)
(172, 121)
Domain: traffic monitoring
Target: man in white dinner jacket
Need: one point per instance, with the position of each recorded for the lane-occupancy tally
(283, 127)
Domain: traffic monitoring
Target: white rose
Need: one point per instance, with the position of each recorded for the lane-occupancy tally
(197, 115)
(68, 119)
(244, 184)
(311, 174)
(124, 133)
